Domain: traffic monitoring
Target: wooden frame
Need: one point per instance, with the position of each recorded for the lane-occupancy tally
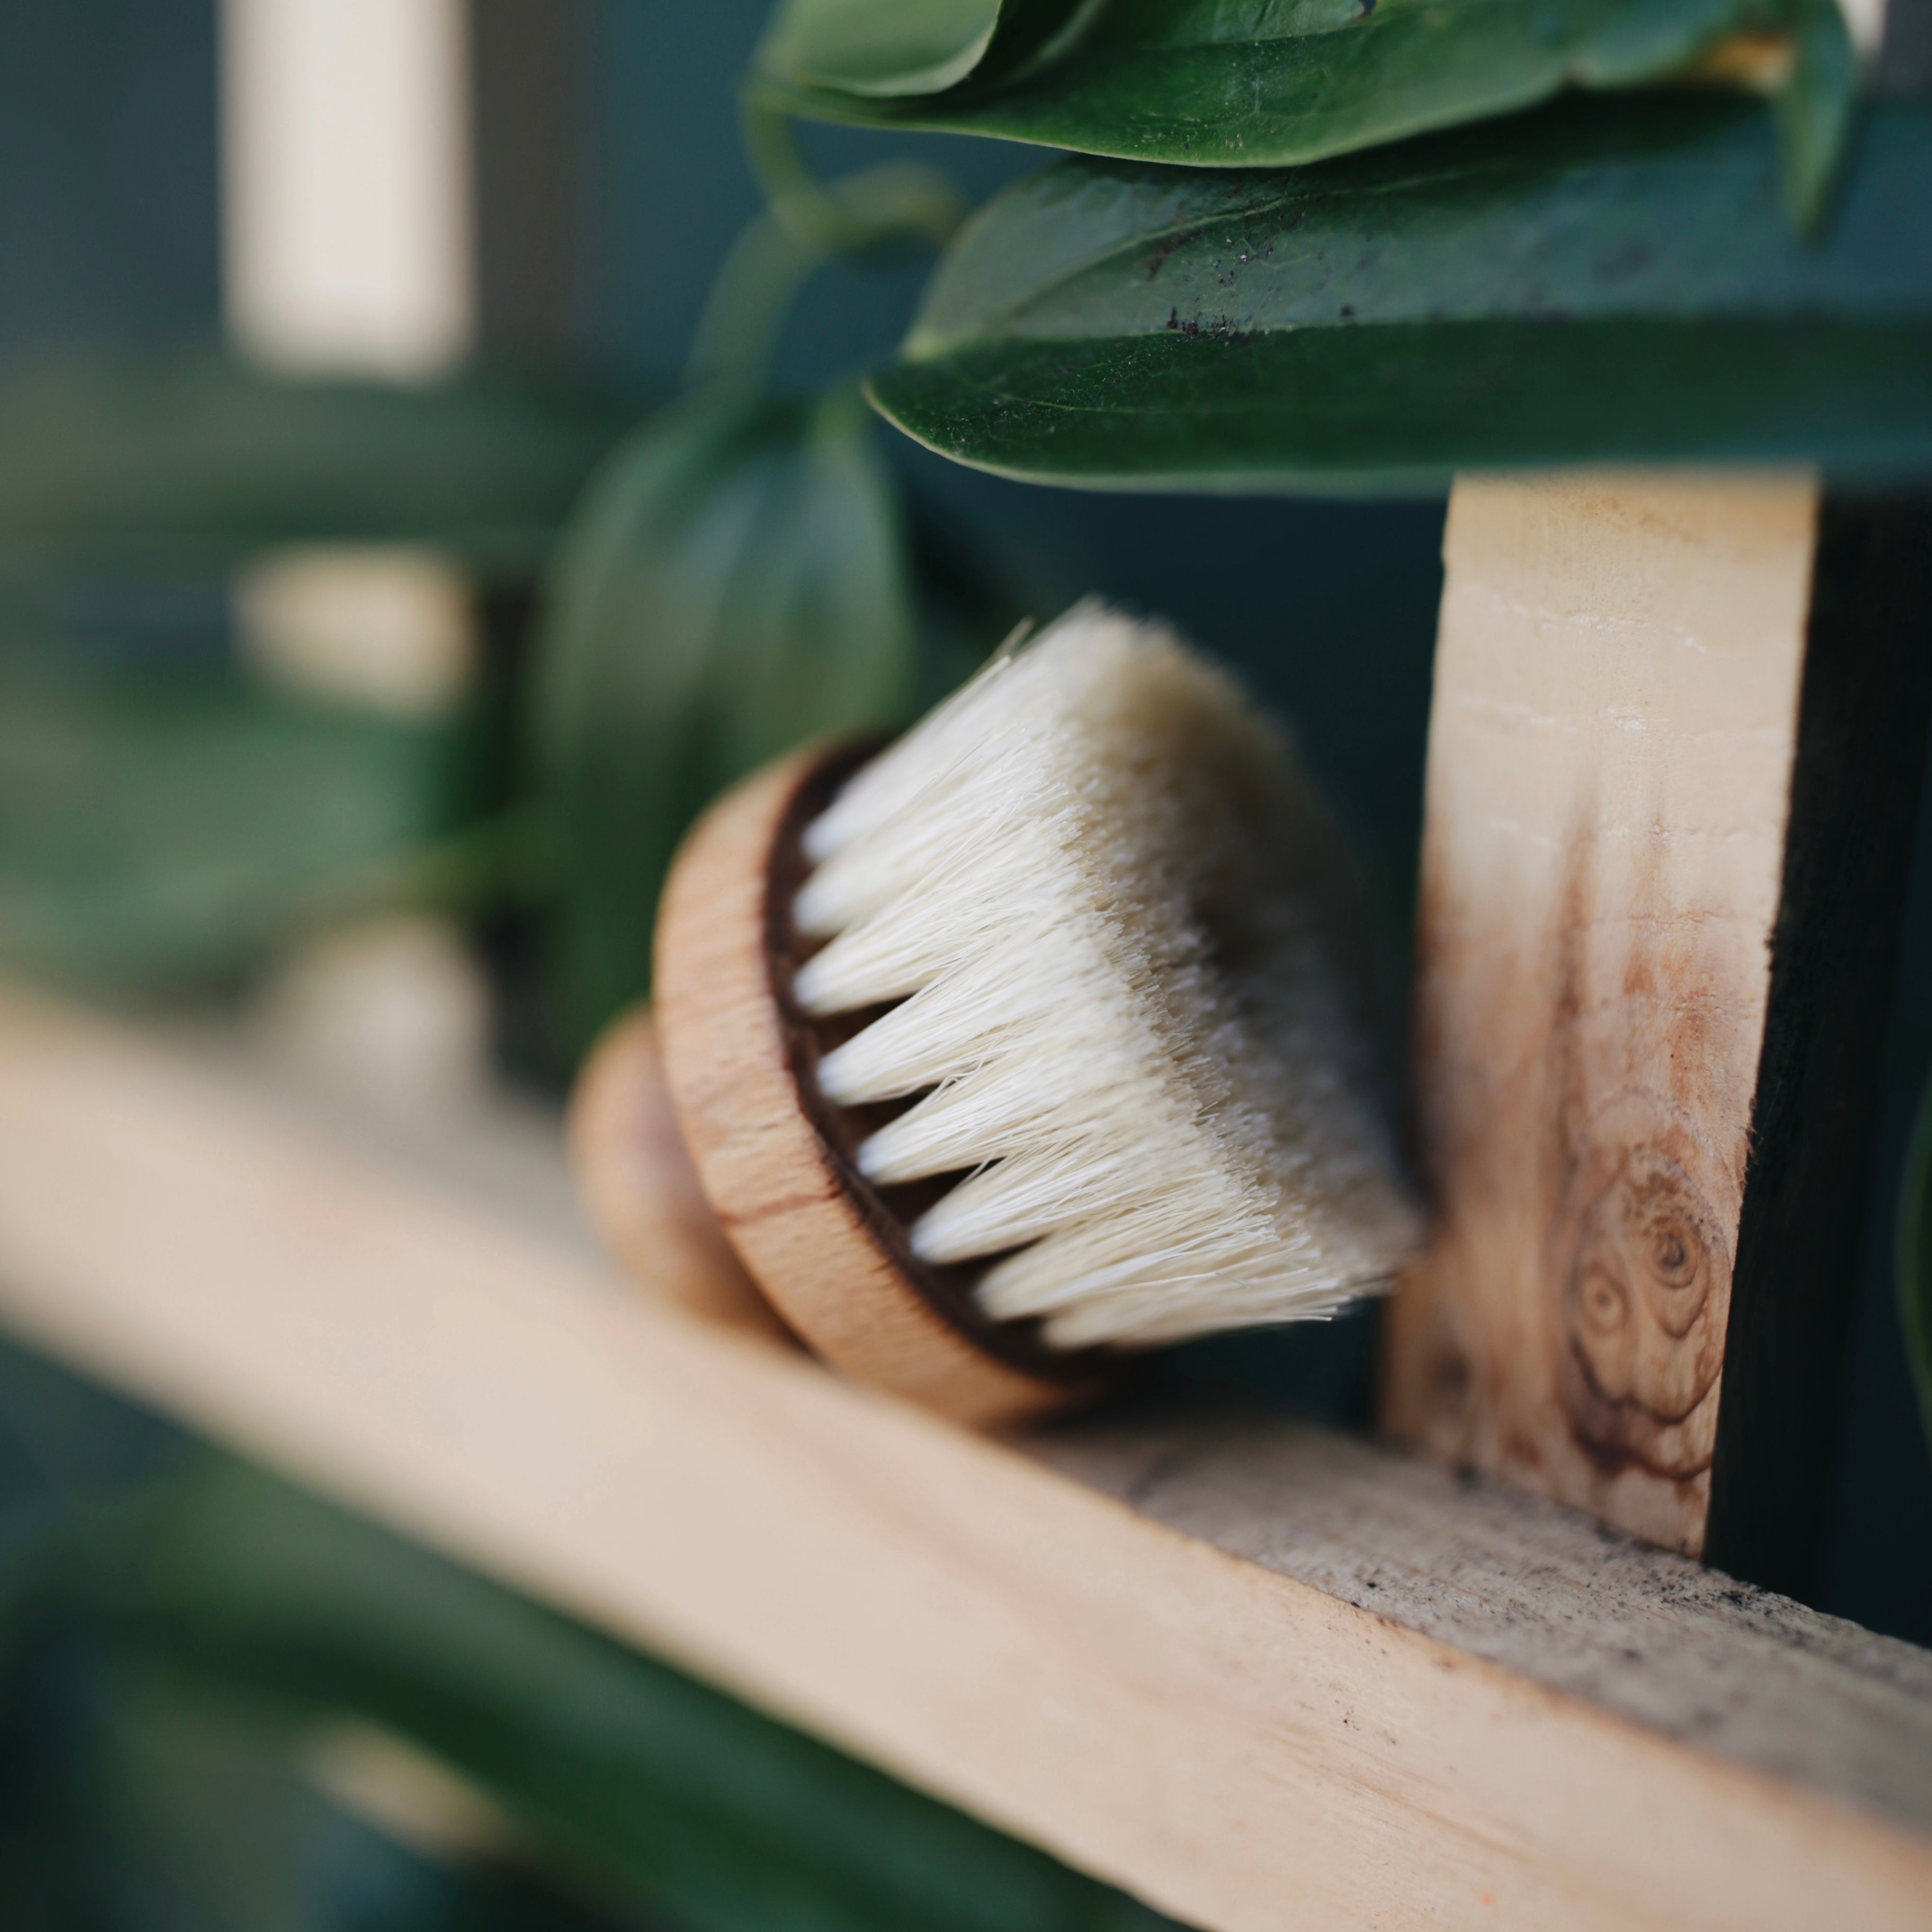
(1258, 1676)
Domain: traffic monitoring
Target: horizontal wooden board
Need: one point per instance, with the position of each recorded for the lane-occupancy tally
(1261, 1678)
(1542, 1590)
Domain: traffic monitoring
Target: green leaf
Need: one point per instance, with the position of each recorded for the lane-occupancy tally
(148, 1795)
(1815, 109)
(890, 49)
(734, 585)
(156, 830)
(1914, 1260)
(1613, 281)
(194, 461)
(1271, 83)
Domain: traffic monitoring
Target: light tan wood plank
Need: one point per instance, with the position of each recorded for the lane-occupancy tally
(1233, 1742)
(1610, 750)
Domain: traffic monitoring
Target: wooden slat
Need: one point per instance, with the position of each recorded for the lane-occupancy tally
(1617, 678)
(1674, 755)
(1179, 1685)
(1681, 1650)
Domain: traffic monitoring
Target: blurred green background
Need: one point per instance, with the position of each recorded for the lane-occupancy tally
(194, 1653)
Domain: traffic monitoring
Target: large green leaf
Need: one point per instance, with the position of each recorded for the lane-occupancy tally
(892, 50)
(1609, 281)
(1914, 1260)
(734, 585)
(195, 461)
(155, 830)
(1269, 83)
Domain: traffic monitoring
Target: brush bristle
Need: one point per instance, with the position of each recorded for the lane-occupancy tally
(1114, 919)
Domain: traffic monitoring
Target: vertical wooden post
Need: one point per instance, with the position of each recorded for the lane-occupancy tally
(1673, 758)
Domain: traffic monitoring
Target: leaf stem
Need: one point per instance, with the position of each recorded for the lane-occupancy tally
(807, 223)
(749, 300)
(898, 201)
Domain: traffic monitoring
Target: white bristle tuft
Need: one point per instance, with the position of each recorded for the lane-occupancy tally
(1112, 915)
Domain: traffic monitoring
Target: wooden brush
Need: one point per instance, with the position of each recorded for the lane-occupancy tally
(1036, 1036)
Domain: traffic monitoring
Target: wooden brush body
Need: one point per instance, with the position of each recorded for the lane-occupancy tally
(828, 1248)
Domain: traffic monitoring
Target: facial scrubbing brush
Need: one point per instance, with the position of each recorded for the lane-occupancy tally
(1037, 1036)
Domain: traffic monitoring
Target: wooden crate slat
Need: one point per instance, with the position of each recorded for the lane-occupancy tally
(1197, 1708)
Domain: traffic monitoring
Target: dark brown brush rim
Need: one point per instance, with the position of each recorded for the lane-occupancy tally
(888, 1213)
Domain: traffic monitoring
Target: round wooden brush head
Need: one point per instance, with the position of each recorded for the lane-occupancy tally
(828, 1248)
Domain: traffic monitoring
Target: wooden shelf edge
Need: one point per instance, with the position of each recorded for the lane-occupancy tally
(1097, 1639)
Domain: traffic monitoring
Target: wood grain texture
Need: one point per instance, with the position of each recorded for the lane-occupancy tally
(1618, 679)
(1264, 1679)
(819, 1243)
(1656, 1638)
(1674, 759)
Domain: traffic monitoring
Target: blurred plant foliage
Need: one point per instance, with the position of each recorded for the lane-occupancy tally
(737, 581)
(164, 817)
(187, 1646)
(199, 461)
(160, 827)
(742, 574)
